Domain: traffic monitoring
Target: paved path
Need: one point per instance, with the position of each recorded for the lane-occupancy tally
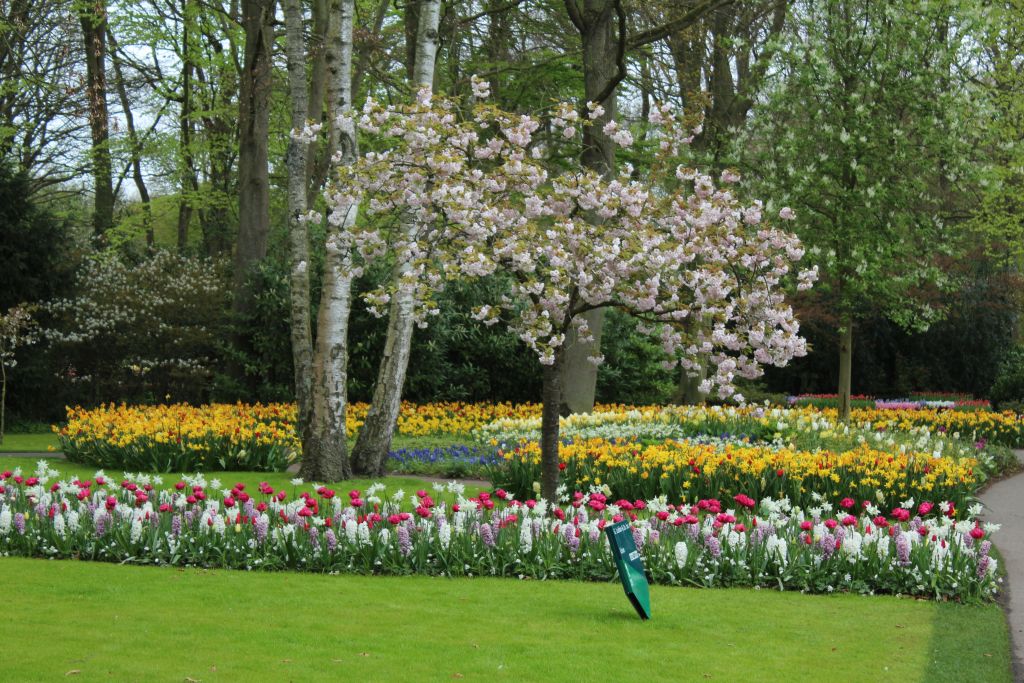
(1004, 504)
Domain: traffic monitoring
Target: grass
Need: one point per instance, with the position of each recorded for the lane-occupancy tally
(27, 443)
(278, 480)
(95, 621)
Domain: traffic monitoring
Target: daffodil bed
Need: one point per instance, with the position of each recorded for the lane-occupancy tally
(688, 453)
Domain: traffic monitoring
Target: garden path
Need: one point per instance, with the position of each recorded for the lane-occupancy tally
(1003, 506)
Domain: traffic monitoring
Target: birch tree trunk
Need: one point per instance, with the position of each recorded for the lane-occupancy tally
(298, 147)
(324, 448)
(374, 442)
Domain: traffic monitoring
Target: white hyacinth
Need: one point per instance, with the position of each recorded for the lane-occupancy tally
(525, 537)
(682, 552)
(5, 521)
(363, 533)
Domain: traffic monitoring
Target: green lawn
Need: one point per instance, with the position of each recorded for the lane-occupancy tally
(36, 442)
(106, 622)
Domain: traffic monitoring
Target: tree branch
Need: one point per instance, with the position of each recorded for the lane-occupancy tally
(575, 16)
(688, 19)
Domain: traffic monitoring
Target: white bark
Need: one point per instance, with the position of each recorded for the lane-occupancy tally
(426, 44)
(324, 451)
(370, 452)
(301, 334)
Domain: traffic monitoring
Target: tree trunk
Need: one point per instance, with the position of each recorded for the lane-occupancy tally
(845, 369)
(549, 429)
(301, 333)
(324, 456)
(134, 144)
(93, 18)
(253, 171)
(370, 452)
(579, 375)
(189, 181)
(688, 390)
(324, 448)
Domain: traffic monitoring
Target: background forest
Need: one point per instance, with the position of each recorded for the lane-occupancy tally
(144, 184)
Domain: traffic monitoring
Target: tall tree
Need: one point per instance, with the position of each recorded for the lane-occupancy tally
(374, 441)
(860, 132)
(603, 29)
(254, 104)
(93, 19)
(324, 447)
(41, 117)
(298, 147)
(134, 142)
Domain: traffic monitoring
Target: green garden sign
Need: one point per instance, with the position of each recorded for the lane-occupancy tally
(631, 567)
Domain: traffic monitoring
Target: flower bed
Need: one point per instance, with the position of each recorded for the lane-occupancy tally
(262, 438)
(686, 470)
(915, 549)
(168, 438)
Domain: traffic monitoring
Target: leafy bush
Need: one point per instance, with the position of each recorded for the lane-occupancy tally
(1008, 389)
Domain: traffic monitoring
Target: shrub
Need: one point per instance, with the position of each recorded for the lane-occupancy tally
(138, 330)
(1008, 389)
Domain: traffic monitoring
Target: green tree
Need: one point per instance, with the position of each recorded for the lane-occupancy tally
(863, 132)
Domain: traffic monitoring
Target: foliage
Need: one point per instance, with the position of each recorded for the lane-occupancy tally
(1008, 388)
(138, 330)
(36, 248)
(864, 135)
(17, 328)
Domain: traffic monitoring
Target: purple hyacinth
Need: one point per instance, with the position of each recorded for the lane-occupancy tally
(332, 540)
(594, 535)
(248, 508)
(571, 540)
(404, 542)
(40, 510)
(487, 535)
(101, 524)
(19, 523)
(262, 525)
(903, 549)
(713, 545)
(983, 558)
(654, 536)
(314, 537)
(693, 531)
(827, 545)
(638, 538)
(176, 526)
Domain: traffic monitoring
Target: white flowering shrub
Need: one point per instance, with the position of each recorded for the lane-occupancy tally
(139, 329)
